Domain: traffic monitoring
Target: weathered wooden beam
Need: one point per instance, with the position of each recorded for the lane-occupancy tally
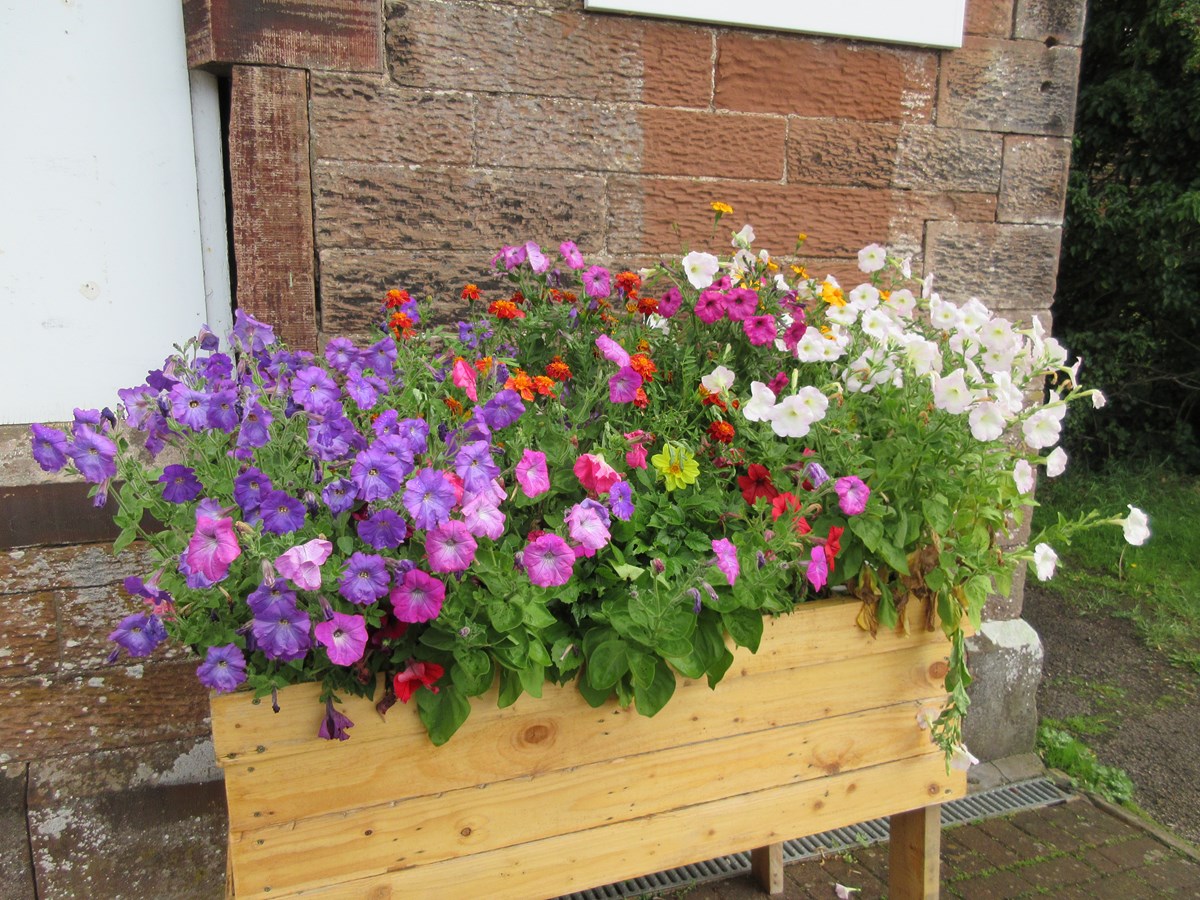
(914, 854)
(271, 189)
(332, 35)
(766, 864)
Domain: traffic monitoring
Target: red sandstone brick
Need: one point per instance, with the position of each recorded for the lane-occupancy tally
(825, 78)
(993, 18)
(841, 152)
(1034, 185)
(520, 131)
(714, 145)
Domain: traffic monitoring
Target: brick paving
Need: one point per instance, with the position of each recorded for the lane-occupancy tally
(1076, 849)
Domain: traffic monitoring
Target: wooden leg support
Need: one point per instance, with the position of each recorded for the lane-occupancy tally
(767, 865)
(914, 856)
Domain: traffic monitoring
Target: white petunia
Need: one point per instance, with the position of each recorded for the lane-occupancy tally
(718, 380)
(962, 758)
(700, 269)
(814, 401)
(1023, 476)
(762, 401)
(902, 303)
(865, 296)
(943, 314)
(1042, 429)
(974, 315)
(924, 356)
(791, 418)
(842, 315)
(950, 392)
(987, 421)
(879, 325)
(1099, 401)
(1044, 562)
(744, 238)
(1136, 526)
(996, 362)
(871, 258)
(810, 347)
(1056, 462)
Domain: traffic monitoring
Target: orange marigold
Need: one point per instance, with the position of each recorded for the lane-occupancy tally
(470, 292)
(643, 365)
(722, 432)
(401, 325)
(505, 309)
(647, 306)
(558, 370)
(453, 405)
(640, 399)
(517, 297)
(628, 283)
(543, 385)
(396, 298)
(484, 365)
(521, 383)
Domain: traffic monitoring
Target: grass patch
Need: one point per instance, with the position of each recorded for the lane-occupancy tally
(1061, 750)
(1156, 585)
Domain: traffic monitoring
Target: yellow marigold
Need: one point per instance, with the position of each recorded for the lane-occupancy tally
(723, 209)
(800, 271)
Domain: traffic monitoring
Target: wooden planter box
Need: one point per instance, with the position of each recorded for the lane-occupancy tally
(817, 730)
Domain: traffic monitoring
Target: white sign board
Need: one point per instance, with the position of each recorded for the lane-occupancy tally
(928, 23)
(100, 250)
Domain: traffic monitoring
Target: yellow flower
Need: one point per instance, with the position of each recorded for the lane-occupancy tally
(721, 209)
(677, 465)
(832, 295)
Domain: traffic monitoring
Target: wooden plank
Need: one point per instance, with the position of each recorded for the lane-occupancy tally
(815, 634)
(327, 848)
(332, 35)
(57, 513)
(584, 859)
(766, 865)
(914, 854)
(542, 737)
(271, 187)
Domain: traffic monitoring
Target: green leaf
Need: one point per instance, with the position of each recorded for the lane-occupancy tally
(642, 666)
(505, 616)
(886, 612)
(532, 678)
(628, 572)
(607, 663)
(869, 530)
(510, 688)
(346, 544)
(595, 697)
(652, 697)
(473, 672)
(124, 539)
(442, 713)
(894, 557)
(745, 626)
(937, 513)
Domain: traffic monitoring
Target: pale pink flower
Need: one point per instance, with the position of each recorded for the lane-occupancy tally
(302, 564)
(531, 473)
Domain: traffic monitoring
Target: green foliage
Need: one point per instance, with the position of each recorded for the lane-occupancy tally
(1128, 299)
(1059, 750)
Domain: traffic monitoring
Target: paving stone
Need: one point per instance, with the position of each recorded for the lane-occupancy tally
(1123, 886)
(1138, 852)
(1053, 873)
(992, 851)
(1179, 876)
(1018, 842)
(998, 886)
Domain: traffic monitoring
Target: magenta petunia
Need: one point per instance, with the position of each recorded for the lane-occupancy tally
(623, 386)
(741, 304)
(611, 350)
(548, 560)
(571, 255)
(727, 559)
(531, 473)
(418, 597)
(344, 638)
(213, 548)
(595, 474)
(760, 330)
(852, 494)
(463, 375)
(710, 306)
(817, 571)
(301, 565)
(669, 302)
(597, 283)
(451, 547)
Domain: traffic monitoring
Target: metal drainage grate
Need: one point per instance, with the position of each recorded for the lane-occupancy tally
(998, 801)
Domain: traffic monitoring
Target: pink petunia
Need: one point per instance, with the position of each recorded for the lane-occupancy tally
(463, 376)
(213, 548)
(302, 564)
(548, 560)
(571, 255)
(853, 494)
(418, 598)
(344, 638)
(536, 258)
(483, 517)
(727, 560)
(595, 474)
(760, 330)
(623, 386)
(635, 457)
(611, 350)
(451, 547)
(817, 571)
(531, 473)
(587, 527)
(710, 306)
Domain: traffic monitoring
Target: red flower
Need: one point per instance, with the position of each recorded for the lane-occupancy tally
(757, 483)
(785, 502)
(721, 432)
(470, 292)
(415, 675)
(833, 544)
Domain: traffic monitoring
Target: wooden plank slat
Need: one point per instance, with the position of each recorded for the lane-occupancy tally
(815, 634)
(330, 847)
(914, 854)
(584, 859)
(538, 737)
(271, 187)
(766, 865)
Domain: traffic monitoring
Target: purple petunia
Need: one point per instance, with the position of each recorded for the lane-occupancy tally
(223, 669)
(139, 634)
(256, 426)
(383, 529)
(340, 495)
(94, 455)
(222, 411)
(189, 407)
(475, 466)
(268, 599)
(503, 409)
(334, 724)
(364, 579)
(341, 353)
(49, 448)
(620, 501)
(285, 636)
(180, 484)
(249, 488)
(623, 386)
(377, 473)
(344, 638)
(548, 560)
(451, 547)
(429, 496)
(418, 598)
(250, 334)
(313, 390)
(281, 513)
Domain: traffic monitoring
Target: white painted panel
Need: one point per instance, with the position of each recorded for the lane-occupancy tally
(930, 23)
(100, 253)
